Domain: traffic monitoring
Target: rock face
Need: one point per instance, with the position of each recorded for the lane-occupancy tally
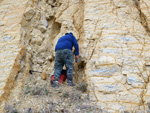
(114, 40)
(11, 50)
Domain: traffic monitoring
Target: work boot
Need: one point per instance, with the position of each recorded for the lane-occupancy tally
(70, 83)
(55, 84)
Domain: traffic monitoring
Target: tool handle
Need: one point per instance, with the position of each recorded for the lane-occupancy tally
(31, 71)
(77, 60)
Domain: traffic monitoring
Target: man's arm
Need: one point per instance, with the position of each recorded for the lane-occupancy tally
(75, 44)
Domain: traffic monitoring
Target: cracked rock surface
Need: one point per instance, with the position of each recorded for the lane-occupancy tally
(114, 40)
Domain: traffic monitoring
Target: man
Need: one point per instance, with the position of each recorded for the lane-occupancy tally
(64, 56)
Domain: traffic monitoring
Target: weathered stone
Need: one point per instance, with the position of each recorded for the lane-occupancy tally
(1, 92)
(44, 76)
(43, 24)
(145, 8)
(135, 81)
(109, 88)
(36, 37)
(113, 38)
(128, 97)
(2, 85)
(2, 23)
(11, 50)
(29, 14)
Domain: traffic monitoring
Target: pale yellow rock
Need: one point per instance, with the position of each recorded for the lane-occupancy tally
(36, 37)
(115, 106)
(1, 92)
(109, 88)
(44, 76)
(126, 97)
(105, 60)
(148, 90)
(113, 38)
(11, 50)
(135, 80)
(145, 9)
(137, 91)
(101, 80)
(43, 24)
(146, 99)
(127, 47)
(120, 78)
(29, 13)
(106, 97)
(2, 85)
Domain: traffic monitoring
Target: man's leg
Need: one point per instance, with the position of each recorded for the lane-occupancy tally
(69, 66)
(58, 67)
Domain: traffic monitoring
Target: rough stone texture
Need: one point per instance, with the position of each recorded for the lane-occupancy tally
(11, 50)
(44, 76)
(145, 11)
(114, 41)
(119, 54)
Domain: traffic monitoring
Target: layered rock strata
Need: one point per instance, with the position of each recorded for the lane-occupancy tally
(11, 51)
(117, 70)
(114, 42)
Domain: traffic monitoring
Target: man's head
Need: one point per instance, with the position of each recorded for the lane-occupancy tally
(69, 33)
(66, 33)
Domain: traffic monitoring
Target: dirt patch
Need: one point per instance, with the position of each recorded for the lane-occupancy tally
(37, 96)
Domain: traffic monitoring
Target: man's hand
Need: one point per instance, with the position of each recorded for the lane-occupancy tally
(77, 58)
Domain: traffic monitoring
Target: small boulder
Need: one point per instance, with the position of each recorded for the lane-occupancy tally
(44, 76)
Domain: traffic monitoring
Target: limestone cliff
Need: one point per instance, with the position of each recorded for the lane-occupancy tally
(114, 40)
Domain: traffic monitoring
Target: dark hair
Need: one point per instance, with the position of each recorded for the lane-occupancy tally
(69, 33)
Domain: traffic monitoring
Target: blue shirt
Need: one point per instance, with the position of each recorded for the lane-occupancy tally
(67, 42)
